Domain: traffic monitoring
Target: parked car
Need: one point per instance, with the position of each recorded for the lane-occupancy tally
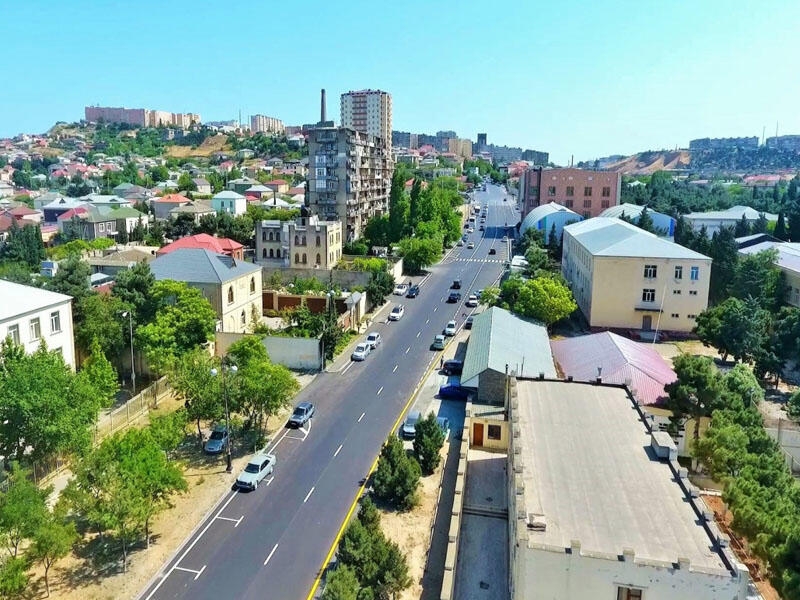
(409, 427)
(454, 297)
(460, 243)
(468, 322)
(483, 228)
(413, 291)
(257, 469)
(453, 391)
(453, 367)
(374, 339)
(361, 352)
(400, 289)
(492, 251)
(450, 328)
(505, 238)
(472, 301)
(302, 413)
(439, 342)
(470, 246)
(217, 441)
(397, 313)
(456, 284)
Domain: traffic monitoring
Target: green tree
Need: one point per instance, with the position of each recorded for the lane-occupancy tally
(23, 510)
(24, 245)
(380, 285)
(490, 296)
(724, 253)
(159, 173)
(134, 287)
(419, 253)
(399, 207)
(139, 232)
(184, 320)
(414, 198)
(190, 376)
(695, 393)
(397, 475)
(99, 376)
(185, 183)
(780, 228)
(545, 298)
(169, 430)
(13, 577)
(180, 226)
(72, 279)
(155, 234)
(52, 541)
(100, 319)
(341, 584)
(378, 231)
(723, 447)
(645, 221)
(757, 276)
(428, 442)
(736, 328)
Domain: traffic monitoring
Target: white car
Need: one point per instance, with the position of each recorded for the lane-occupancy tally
(361, 352)
(460, 243)
(400, 289)
(257, 468)
(472, 301)
(505, 238)
(374, 339)
(397, 313)
(470, 246)
(450, 328)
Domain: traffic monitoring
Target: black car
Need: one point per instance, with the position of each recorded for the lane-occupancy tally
(468, 322)
(456, 284)
(454, 297)
(492, 251)
(453, 367)
(413, 291)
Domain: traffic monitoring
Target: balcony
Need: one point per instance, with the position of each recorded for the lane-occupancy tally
(647, 307)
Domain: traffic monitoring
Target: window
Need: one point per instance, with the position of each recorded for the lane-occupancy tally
(264, 252)
(243, 318)
(304, 240)
(648, 295)
(676, 292)
(587, 191)
(650, 271)
(678, 272)
(277, 236)
(626, 593)
(296, 240)
(36, 329)
(252, 285)
(605, 204)
(230, 295)
(493, 432)
(693, 292)
(694, 274)
(55, 322)
(675, 315)
(606, 192)
(570, 190)
(551, 190)
(319, 259)
(587, 204)
(13, 333)
(305, 260)
(296, 258)
(568, 203)
(319, 242)
(534, 190)
(264, 236)
(692, 316)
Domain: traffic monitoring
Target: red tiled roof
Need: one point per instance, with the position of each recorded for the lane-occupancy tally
(203, 241)
(73, 212)
(277, 182)
(173, 198)
(21, 211)
(622, 361)
(5, 222)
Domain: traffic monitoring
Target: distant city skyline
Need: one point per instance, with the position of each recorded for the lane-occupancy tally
(613, 77)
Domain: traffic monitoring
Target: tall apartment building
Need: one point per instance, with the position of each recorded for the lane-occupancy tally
(586, 192)
(349, 177)
(724, 143)
(265, 124)
(460, 147)
(481, 142)
(536, 157)
(368, 111)
(140, 117)
(784, 142)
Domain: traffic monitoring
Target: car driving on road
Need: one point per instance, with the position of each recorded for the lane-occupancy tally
(413, 291)
(439, 342)
(472, 301)
(450, 328)
(492, 251)
(454, 297)
(258, 467)
(400, 289)
(471, 245)
(302, 413)
(397, 313)
(361, 351)
(374, 339)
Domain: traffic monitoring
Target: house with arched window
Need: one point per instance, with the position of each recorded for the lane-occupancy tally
(286, 243)
(232, 286)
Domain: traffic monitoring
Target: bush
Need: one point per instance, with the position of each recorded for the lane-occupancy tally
(397, 476)
(355, 248)
(428, 441)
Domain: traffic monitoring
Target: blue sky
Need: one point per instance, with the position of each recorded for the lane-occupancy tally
(585, 78)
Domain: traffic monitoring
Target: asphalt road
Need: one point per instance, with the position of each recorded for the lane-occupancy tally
(270, 543)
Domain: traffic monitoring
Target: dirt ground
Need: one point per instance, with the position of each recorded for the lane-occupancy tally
(211, 144)
(669, 350)
(412, 531)
(78, 578)
(739, 546)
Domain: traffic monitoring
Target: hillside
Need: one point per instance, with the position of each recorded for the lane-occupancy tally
(647, 163)
(214, 143)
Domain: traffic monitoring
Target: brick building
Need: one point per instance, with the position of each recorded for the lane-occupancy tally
(588, 193)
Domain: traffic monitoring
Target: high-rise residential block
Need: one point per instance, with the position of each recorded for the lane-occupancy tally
(265, 124)
(349, 177)
(140, 117)
(368, 111)
(460, 147)
(481, 142)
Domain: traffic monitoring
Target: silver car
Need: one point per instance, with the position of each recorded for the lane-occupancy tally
(217, 441)
(361, 352)
(409, 428)
(374, 339)
(257, 469)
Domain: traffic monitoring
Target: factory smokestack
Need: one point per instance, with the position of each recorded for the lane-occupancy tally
(322, 106)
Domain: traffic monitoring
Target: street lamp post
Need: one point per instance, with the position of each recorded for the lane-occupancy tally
(129, 314)
(215, 372)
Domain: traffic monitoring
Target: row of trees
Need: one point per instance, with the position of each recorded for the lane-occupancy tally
(737, 451)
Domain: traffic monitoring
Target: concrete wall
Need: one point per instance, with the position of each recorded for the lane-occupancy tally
(488, 444)
(298, 354)
(344, 279)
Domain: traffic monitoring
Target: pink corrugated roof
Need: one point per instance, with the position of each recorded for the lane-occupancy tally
(622, 360)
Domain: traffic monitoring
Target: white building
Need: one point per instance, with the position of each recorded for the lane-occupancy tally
(599, 507)
(368, 111)
(31, 315)
(230, 202)
(663, 224)
(265, 124)
(715, 220)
